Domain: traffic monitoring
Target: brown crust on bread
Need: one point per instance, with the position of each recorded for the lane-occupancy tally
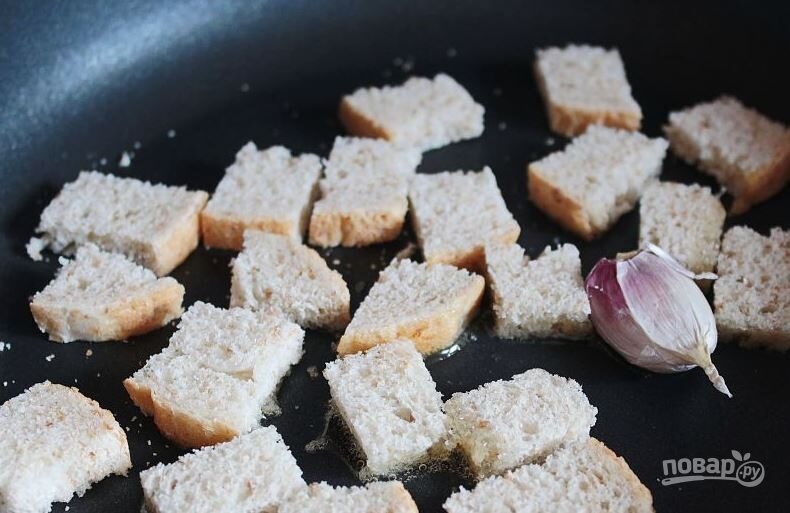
(557, 205)
(143, 312)
(228, 233)
(176, 425)
(429, 334)
(358, 124)
(354, 229)
(571, 121)
(177, 246)
(759, 186)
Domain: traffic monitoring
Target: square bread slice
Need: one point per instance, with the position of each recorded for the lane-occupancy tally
(504, 424)
(101, 296)
(274, 271)
(745, 151)
(269, 190)
(429, 304)
(375, 497)
(456, 214)
(423, 113)
(585, 476)
(597, 178)
(55, 443)
(220, 371)
(684, 220)
(390, 404)
(752, 295)
(363, 193)
(155, 225)
(253, 473)
(584, 85)
(541, 298)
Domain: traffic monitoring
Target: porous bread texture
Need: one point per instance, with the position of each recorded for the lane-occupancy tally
(55, 443)
(504, 424)
(455, 214)
(752, 295)
(101, 296)
(269, 190)
(583, 85)
(585, 476)
(153, 224)
(748, 153)
(389, 401)
(363, 193)
(429, 304)
(539, 298)
(274, 271)
(422, 113)
(684, 220)
(221, 369)
(254, 473)
(375, 497)
(597, 178)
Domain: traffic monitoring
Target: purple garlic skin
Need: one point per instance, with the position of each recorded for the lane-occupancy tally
(649, 309)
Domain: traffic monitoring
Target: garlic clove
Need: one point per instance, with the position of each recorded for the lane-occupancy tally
(649, 309)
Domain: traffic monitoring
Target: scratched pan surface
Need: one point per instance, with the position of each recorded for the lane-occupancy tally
(190, 81)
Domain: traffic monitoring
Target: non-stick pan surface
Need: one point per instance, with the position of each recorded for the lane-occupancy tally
(185, 83)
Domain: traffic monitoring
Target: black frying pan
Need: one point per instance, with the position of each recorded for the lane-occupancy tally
(83, 80)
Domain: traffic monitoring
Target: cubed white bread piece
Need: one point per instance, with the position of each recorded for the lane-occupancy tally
(363, 193)
(539, 298)
(375, 497)
(155, 225)
(752, 294)
(456, 214)
(586, 476)
(55, 442)
(745, 151)
(277, 272)
(429, 304)
(254, 473)
(101, 296)
(269, 190)
(389, 401)
(597, 178)
(684, 220)
(422, 112)
(504, 424)
(221, 369)
(584, 85)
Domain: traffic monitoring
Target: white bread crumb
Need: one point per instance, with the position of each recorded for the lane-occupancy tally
(455, 214)
(274, 271)
(429, 304)
(684, 220)
(55, 443)
(155, 225)
(539, 298)
(585, 476)
(375, 497)
(269, 190)
(363, 193)
(220, 369)
(389, 402)
(252, 473)
(101, 296)
(504, 424)
(745, 151)
(597, 178)
(752, 294)
(584, 85)
(423, 113)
